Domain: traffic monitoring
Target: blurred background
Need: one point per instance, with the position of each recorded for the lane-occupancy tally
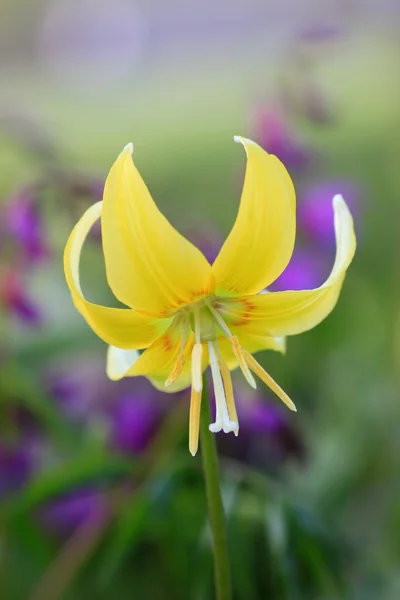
(99, 495)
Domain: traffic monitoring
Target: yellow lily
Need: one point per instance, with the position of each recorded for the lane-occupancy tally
(188, 314)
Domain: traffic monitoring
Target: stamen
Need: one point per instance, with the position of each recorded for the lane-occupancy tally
(267, 379)
(197, 378)
(224, 327)
(222, 420)
(236, 347)
(239, 353)
(194, 421)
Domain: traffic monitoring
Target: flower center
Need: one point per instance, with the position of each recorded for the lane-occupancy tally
(207, 324)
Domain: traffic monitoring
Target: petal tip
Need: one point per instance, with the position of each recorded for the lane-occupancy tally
(128, 148)
(338, 201)
(239, 139)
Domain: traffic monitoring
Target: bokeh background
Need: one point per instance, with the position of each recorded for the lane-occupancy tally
(99, 496)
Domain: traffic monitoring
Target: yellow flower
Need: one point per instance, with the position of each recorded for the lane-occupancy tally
(187, 313)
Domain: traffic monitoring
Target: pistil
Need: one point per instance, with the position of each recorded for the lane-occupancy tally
(222, 420)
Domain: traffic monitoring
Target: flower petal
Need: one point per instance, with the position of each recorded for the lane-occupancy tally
(261, 242)
(157, 362)
(150, 266)
(289, 313)
(117, 326)
(119, 361)
(159, 359)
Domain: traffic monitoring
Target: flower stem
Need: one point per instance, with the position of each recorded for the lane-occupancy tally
(214, 502)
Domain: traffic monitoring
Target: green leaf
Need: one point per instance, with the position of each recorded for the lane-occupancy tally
(131, 521)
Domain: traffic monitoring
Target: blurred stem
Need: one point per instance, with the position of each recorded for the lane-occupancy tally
(214, 502)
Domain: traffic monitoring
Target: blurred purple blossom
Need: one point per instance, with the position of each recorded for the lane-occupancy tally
(131, 410)
(25, 225)
(15, 299)
(315, 212)
(267, 434)
(73, 509)
(306, 270)
(273, 133)
(134, 420)
(76, 397)
(272, 421)
(15, 467)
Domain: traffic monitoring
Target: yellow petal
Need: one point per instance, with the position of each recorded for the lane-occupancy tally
(261, 242)
(157, 362)
(159, 359)
(117, 326)
(289, 313)
(150, 266)
(119, 362)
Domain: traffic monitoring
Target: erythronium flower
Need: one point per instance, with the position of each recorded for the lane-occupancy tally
(187, 313)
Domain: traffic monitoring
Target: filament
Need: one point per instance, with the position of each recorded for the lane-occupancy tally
(267, 379)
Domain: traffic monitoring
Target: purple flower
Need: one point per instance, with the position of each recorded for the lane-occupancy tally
(134, 420)
(70, 394)
(73, 509)
(267, 434)
(273, 134)
(15, 468)
(24, 223)
(15, 299)
(305, 271)
(130, 410)
(315, 212)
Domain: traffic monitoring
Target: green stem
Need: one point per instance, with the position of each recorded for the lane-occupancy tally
(214, 502)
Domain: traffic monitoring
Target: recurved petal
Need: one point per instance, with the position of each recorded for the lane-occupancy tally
(292, 312)
(150, 266)
(117, 326)
(261, 242)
